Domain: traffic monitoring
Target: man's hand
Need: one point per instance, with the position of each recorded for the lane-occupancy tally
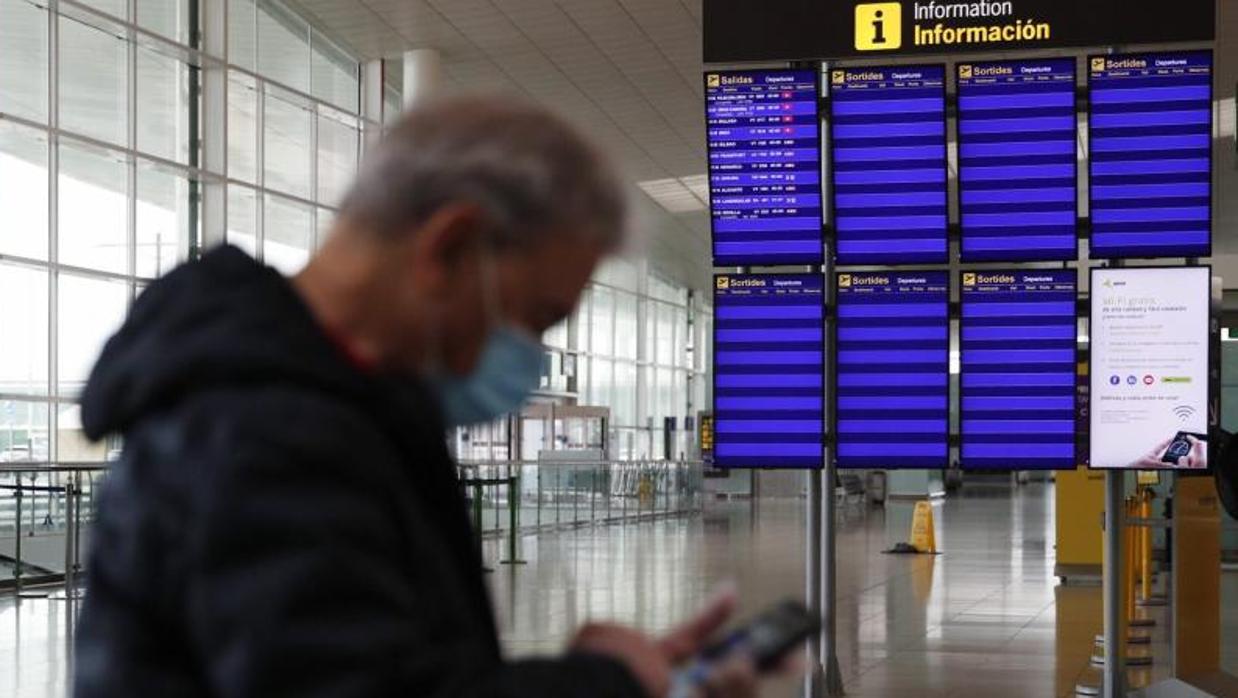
(653, 661)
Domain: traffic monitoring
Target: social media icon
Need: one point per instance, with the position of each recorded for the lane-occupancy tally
(1115, 380)
(1131, 380)
(1148, 380)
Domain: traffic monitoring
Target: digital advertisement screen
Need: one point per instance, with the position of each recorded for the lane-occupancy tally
(891, 407)
(769, 371)
(764, 140)
(1017, 160)
(1150, 135)
(1018, 362)
(888, 163)
(1149, 367)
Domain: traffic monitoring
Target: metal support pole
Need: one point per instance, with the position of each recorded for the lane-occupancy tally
(477, 522)
(1114, 683)
(816, 673)
(70, 576)
(513, 492)
(17, 571)
(77, 521)
(829, 627)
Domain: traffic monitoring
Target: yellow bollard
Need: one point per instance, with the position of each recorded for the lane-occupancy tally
(1128, 561)
(1145, 551)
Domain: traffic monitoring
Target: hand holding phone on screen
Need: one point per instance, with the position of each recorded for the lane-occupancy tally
(1187, 450)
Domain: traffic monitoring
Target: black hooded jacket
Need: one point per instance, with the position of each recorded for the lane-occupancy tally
(281, 523)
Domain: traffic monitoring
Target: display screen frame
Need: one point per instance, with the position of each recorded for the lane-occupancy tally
(826, 354)
(960, 187)
(833, 235)
(1212, 171)
(1211, 447)
(1074, 392)
(835, 373)
(768, 260)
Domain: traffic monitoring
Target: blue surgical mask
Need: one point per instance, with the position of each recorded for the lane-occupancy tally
(508, 371)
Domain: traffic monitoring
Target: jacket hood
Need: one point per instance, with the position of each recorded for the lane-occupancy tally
(223, 319)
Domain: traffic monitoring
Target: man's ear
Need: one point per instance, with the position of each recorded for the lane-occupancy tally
(445, 248)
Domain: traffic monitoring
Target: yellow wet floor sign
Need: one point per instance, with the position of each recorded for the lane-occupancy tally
(923, 535)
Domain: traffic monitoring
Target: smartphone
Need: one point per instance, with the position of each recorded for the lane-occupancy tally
(766, 639)
(1180, 447)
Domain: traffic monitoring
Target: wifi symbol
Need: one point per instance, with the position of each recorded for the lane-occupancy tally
(1184, 412)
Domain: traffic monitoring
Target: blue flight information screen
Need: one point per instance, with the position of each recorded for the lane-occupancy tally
(769, 375)
(1017, 369)
(1150, 135)
(1017, 160)
(891, 406)
(888, 146)
(764, 141)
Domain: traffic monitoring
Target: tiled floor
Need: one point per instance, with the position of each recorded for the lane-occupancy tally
(986, 618)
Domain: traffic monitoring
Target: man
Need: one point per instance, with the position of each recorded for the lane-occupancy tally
(285, 520)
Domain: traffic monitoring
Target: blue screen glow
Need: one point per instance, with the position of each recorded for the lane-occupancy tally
(891, 402)
(1017, 160)
(764, 139)
(769, 376)
(888, 145)
(1150, 126)
(1017, 369)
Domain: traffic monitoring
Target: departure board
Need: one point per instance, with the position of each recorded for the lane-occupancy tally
(764, 140)
(891, 407)
(1017, 160)
(769, 375)
(1017, 369)
(1150, 135)
(888, 155)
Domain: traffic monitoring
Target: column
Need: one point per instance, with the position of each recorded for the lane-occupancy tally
(423, 74)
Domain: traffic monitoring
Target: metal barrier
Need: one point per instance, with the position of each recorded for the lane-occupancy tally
(40, 503)
(46, 507)
(513, 497)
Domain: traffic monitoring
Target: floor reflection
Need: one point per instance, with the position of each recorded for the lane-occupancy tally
(984, 618)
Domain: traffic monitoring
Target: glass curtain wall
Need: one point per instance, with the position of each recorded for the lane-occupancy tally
(294, 132)
(640, 346)
(101, 173)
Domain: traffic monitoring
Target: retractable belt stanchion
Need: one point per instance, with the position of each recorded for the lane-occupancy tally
(1114, 683)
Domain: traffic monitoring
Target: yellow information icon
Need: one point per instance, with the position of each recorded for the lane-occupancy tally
(878, 26)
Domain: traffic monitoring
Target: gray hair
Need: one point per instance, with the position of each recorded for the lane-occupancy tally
(526, 168)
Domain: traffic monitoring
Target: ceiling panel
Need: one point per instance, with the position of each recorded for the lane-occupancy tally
(626, 71)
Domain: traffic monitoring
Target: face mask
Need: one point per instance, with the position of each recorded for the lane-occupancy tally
(508, 371)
